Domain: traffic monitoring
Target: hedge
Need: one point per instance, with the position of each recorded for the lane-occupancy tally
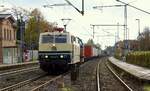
(141, 58)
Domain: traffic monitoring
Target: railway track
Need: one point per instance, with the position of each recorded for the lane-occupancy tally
(20, 84)
(16, 71)
(121, 81)
(35, 84)
(46, 83)
(8, 78)
(98, 77)
(108, 80)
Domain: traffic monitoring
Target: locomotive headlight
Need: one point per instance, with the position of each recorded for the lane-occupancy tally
(54, 45)
(46, 56)
(61, 56)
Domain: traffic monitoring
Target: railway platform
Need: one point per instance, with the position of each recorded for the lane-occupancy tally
(137, 71)
(9, 66)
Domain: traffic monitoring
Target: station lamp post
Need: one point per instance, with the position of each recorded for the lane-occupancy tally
(138, 26)
(138, 20)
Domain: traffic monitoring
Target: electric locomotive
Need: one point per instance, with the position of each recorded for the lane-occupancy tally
(58, 50)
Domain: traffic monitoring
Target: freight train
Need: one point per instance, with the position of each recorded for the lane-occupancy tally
(60, 50)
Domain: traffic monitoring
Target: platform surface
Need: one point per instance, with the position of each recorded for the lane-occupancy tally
(137, 71)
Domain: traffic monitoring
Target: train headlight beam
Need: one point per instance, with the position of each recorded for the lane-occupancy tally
(46, 56)
(61, 56)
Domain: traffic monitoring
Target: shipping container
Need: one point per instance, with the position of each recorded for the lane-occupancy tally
(88, 51)
(95, 52)
(91, 52)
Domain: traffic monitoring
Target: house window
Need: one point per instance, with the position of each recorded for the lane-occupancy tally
(10, 35)
(5, 34)
(14, 35)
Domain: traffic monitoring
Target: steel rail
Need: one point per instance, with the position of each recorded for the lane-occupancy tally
(129, 89)
(97, 77)
(20, 84)
(48, 82)
(18, 71)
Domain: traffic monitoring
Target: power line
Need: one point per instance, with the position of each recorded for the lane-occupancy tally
(80, 11)
(133, 7)
(82, 26)
(125, 19)
(106, 25)
(103, 30)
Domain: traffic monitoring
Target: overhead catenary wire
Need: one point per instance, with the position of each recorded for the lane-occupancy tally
(83, 27)
(80, 11)
(133, 7)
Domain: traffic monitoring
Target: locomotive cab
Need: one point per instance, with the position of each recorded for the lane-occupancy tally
(58, 50)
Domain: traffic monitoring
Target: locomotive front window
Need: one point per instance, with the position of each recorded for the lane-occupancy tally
(60, 38)
(47, 39)
(54, 39)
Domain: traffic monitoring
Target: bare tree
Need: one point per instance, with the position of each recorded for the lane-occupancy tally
(144, 39)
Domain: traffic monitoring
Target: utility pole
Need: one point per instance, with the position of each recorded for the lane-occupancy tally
(118, 37)
(134, 8)
(65, 23)
(38, 29)
(125, 30)
(20, 37)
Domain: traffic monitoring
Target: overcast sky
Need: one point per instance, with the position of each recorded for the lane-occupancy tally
(80, 25)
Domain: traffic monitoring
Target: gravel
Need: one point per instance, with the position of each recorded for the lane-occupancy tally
(108, 81)
(86, 78)
(9, 80)
(83, 79)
